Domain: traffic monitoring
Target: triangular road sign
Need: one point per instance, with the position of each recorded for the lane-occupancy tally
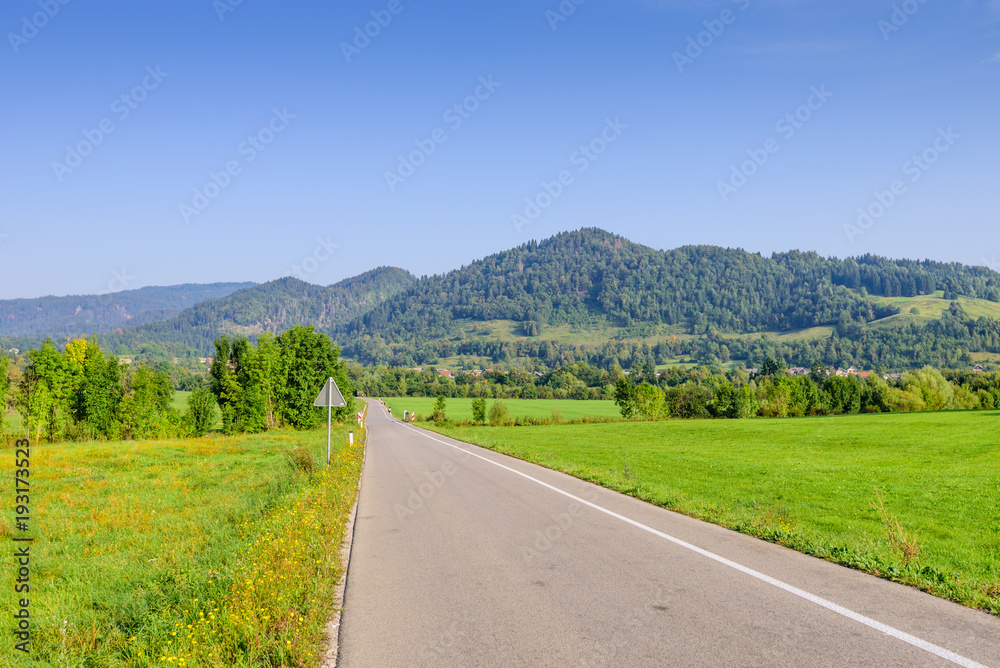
(330, 396)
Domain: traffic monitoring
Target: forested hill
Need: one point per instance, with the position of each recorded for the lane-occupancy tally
(593, 276)
(270, 307)
(81, 315)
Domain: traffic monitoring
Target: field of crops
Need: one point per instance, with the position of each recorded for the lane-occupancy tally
(913, 497)
(461, 409)
(218, 551)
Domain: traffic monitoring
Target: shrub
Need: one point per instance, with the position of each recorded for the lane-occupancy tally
(499, 414)
(479, 410)
(201, 411)
(437, 413)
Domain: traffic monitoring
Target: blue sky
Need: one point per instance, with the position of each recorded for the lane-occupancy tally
(161, 142)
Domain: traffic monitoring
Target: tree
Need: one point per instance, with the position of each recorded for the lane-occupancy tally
(845, 394)
(771, 367)
(479, 410)
(499, 414)
(99, 393)
(650, 402)
(201, 411)
(625, 397)
(309, 359)
(437, 413)
(145, 410)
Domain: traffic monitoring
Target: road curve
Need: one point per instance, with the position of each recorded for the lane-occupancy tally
(464, 557)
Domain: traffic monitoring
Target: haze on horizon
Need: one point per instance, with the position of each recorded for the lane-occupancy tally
(204, 141)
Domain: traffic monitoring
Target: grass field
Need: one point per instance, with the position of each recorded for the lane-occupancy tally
(202, 552)
(812, 484)
(461, 409)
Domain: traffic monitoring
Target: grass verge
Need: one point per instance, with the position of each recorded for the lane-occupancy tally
(219, 551)
(912, 497)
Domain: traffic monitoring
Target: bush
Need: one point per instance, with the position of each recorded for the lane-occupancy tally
(437, 413)
(201, 411)
(499, 414)
(479, 410)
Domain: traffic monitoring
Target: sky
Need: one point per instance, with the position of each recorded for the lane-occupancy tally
(196, 141)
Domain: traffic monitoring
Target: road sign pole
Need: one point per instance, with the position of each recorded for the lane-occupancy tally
(329, 413)
(329, 397)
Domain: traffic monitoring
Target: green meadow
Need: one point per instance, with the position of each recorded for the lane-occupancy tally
(216, 551)
(458, 409)
(913, 497)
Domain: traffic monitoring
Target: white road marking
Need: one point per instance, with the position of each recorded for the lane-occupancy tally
(822, 602)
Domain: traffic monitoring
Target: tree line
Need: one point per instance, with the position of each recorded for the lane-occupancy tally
(83, 393)
(772, 392)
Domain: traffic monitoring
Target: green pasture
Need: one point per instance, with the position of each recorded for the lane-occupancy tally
(813, 484)
(461, 409)
(199, 552)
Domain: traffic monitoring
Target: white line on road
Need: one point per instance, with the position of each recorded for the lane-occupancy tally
(822, 602)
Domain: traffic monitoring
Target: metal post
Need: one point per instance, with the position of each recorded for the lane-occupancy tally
(329, 413)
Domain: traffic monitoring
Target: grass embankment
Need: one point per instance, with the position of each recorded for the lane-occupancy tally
(461, 409)
(203, 552)
(812, 484)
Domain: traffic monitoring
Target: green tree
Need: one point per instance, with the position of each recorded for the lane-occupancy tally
(309, 359)
(201, 411)
(479, 410)
(499, 414)
(625, 397)
(650, 402)
(99, 393)
(145, 410)
(437, 413)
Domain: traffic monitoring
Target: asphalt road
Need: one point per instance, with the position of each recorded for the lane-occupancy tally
(459, 561)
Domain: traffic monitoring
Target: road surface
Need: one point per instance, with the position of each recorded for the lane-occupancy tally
(464, 557)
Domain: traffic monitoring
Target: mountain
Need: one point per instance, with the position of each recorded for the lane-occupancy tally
(596, 280)
(82, 315)
(270, 307)
(590, 295)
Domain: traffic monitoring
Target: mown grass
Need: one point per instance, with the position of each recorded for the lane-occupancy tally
(202, 552)
(458, 409)
(813, 484)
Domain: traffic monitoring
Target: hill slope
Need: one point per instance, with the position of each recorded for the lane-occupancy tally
(271, 307)
(592, 278)
(81, 315)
